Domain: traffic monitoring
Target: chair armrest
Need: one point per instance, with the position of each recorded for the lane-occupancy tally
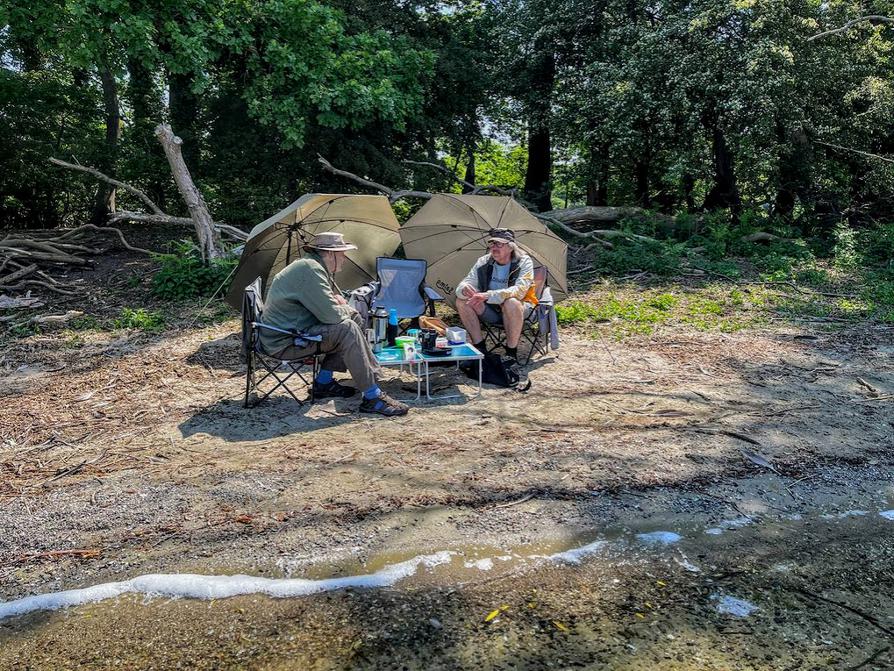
(296, 334)
(432, 295)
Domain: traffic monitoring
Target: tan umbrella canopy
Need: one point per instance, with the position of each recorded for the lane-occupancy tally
(366, 221)
(450, 232)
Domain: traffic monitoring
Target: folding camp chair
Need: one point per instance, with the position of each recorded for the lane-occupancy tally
(539, 329)
(401, 286)
(261, 366)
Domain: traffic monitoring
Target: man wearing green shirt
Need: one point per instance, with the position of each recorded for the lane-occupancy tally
(303, 297)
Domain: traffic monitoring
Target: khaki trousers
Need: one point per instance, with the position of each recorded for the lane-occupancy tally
(345, 347)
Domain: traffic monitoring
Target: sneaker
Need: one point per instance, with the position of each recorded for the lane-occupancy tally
(523, 382)
(333, 390)
(383, 404)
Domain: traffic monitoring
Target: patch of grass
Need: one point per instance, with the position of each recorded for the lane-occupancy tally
(717, 308)
(84, 323)
(146, 320)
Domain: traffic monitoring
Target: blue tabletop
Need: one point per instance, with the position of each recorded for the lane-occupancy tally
(396, 355)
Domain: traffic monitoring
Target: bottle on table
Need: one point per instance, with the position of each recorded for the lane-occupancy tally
(391, 332)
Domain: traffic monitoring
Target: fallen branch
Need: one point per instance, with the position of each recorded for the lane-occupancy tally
(760, 236)
(140, 217)
(23, 272)
(105, 229)
(114, 182)
(551, 218)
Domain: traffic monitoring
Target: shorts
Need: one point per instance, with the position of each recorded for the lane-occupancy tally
(493, 314)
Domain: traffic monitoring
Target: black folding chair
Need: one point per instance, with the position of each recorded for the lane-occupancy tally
(533, 331)
(264, 369)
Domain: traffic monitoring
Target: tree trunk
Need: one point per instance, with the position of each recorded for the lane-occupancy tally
(184, 112)
(209, 238)
(641, 179)
(104, 203)
(725, 192)
(688, 189)
(542, 77)
(470, 169)
(597, 185)
(794, 172)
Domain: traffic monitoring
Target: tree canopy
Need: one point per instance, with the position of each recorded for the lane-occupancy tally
(681, 107)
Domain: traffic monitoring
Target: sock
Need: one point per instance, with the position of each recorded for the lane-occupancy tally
(372, 392)
(324, 376)
(512, 352)
(480, 346)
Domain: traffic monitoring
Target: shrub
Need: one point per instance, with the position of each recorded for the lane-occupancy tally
(183, 274)
(140, 318)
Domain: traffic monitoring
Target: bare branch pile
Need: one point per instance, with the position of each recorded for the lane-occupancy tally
(25, 260)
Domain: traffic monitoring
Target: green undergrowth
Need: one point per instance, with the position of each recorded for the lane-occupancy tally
(846, 275)
(643, 312)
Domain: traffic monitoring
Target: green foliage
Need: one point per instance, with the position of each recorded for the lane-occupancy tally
(183, 274)
(140, 318)
(631, 254)
(710, 308)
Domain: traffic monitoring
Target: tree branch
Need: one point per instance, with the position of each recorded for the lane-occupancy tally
(475, 190)
(443, 168)
(106, 229)
(356, 178)
(855, 151)
(850, 24)
(105, 178)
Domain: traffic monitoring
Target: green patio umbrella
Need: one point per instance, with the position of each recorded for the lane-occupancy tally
(450, 232)
(366, 221)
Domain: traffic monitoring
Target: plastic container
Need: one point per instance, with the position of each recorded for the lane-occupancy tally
(456, 335)
(400, 341)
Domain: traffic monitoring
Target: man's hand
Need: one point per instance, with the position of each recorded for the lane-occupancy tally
(340, 299)
(478, 298)
(468, 291)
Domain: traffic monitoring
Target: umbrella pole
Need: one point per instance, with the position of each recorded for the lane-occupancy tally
(289, 248)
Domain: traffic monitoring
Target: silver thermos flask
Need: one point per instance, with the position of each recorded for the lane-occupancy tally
(380, 327)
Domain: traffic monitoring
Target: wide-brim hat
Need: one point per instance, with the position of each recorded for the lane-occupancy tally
(330, 242)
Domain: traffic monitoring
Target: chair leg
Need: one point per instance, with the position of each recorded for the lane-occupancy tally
(249, 379)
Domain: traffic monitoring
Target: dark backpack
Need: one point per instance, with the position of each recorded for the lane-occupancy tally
(500, 371)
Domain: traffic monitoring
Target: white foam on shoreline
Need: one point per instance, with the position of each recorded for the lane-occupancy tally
(575, 555)
(730, 605)
(659, 538)
(887, 514)
(217, 586)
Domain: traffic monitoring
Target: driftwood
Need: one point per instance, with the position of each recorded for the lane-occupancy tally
(24, 257)
(209, 237)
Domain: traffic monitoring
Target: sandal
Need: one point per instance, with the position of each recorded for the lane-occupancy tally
(384, 405)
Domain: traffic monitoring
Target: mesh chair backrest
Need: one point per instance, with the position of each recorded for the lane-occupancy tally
(402, 284)
(252, 307)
